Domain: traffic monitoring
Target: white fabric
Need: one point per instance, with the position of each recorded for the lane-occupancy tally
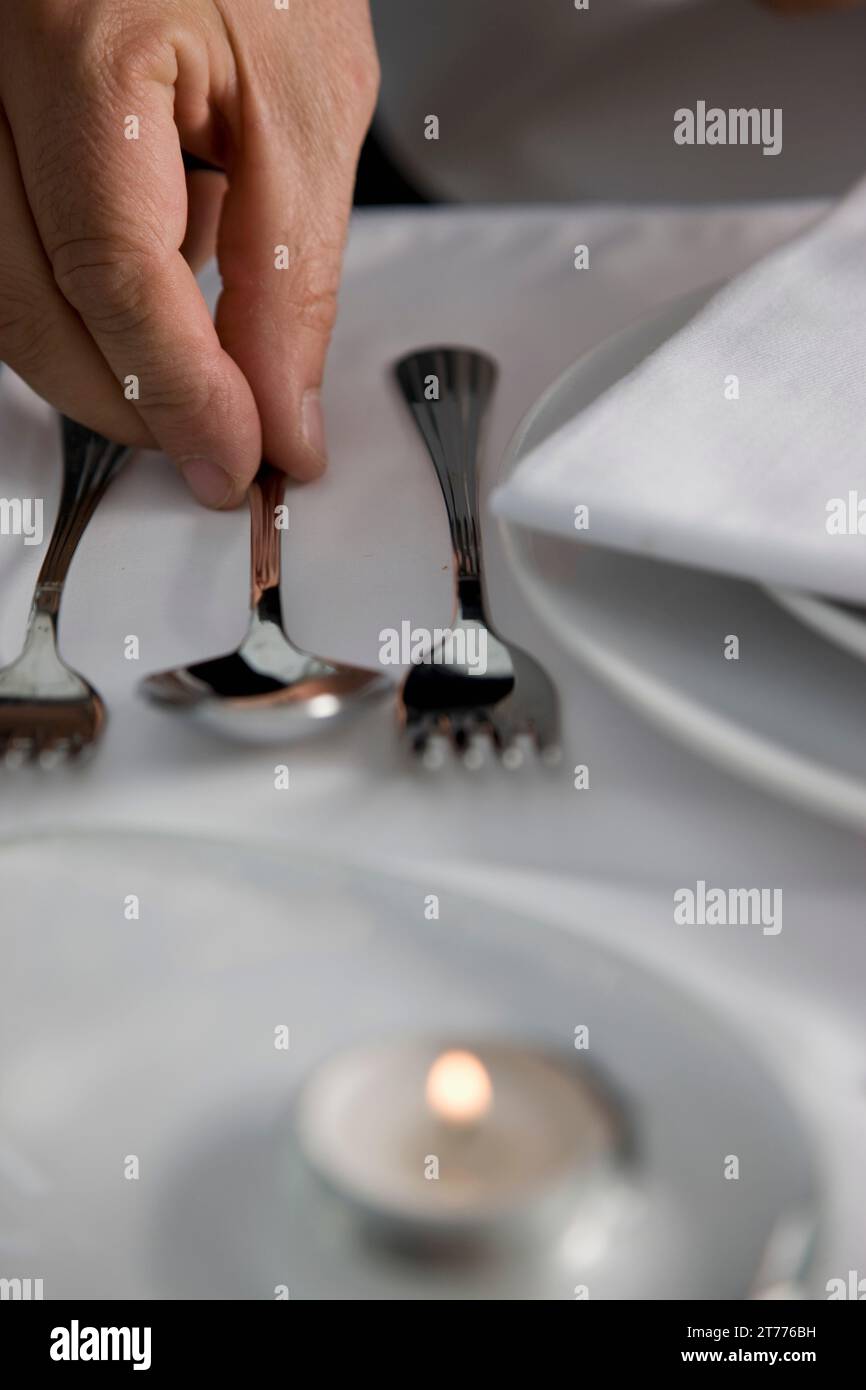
(730, 446)
(368, 546)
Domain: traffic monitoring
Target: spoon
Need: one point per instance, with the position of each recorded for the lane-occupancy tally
(268, 689)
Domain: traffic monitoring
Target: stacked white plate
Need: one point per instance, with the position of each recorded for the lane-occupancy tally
(788, 714)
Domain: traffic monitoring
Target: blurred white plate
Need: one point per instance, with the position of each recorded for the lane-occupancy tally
(789, 715)
(840, 623)
(154, 1038)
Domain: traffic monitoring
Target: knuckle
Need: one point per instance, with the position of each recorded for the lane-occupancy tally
(365, 77)
(141, 54)
(189, 397)
(110, 39)
(355, 91)
(25, 336)
(103, 280)
(314, 298)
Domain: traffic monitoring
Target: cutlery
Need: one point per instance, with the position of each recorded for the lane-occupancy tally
(266, 690)
(49, 713)
(511, 706)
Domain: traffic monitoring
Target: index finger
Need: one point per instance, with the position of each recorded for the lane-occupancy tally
(105, 181)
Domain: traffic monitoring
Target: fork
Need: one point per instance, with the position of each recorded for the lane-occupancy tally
(48, 713)
(511, 705)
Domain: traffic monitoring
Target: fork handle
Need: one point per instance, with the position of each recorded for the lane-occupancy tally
(448, 391)
(89, 464)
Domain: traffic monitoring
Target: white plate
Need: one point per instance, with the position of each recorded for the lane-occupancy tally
(154, 1038)
(842, 624)
(789, 715)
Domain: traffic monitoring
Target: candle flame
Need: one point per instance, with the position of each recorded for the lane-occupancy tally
(459, 1089)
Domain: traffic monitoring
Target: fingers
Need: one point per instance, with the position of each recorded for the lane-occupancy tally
(205, 193)
(111, 213)
(98, 98)
(41, 337)
(284, 224)
(278, 305)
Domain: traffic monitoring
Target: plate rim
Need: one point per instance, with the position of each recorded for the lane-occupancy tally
(717, 738)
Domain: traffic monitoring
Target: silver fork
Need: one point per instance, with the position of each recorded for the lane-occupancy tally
(511, 704)
(48, 713)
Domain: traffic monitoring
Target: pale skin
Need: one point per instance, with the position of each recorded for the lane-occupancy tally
(100, 233)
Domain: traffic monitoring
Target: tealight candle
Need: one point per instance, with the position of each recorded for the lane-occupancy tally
(422, 1137)
(458, 1088)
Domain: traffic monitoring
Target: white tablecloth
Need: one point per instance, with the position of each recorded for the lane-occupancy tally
(368, 547)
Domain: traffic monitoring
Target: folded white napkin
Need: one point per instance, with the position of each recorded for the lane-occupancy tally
(740, 444)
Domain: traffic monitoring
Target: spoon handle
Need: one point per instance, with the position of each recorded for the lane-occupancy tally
(266, 494)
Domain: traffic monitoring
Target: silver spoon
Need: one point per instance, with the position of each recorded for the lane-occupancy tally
(267, 690)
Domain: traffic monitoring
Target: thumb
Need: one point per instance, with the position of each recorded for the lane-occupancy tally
(280, 252)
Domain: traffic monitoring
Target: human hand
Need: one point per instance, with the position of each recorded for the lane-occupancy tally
(95, 226)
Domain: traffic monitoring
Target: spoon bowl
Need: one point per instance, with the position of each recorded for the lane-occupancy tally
(268, 690)
(229, 697)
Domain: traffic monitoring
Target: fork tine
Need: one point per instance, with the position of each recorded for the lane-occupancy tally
(436, 747)
(506, 739)
(435, 755)
(545, 736)
(551, 754)
(48, 733)
(513, 754)
(480, 747)
(53, 752)
(11, 758)
(19, 750)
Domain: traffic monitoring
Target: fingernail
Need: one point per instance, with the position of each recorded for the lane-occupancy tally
(208, 482)
(313, 423)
